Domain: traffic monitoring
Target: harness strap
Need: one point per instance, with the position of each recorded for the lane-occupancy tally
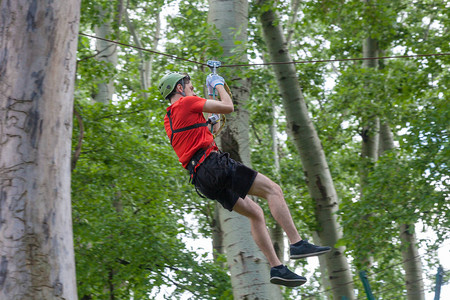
(192, 167)
(198, 157)
(198, 125)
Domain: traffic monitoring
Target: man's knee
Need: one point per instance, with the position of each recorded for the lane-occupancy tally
(275, 190)
(265, 187)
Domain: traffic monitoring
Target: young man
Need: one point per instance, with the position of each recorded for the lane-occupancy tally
(219, 177)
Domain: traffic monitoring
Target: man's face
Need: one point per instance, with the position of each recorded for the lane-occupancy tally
(189, 89)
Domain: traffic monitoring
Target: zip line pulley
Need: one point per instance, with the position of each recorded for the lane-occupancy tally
(214, 118)
(213, 65)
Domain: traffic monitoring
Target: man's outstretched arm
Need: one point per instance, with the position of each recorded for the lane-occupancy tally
(225, 106)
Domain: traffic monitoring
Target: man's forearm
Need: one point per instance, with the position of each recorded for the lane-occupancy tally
(224, 96)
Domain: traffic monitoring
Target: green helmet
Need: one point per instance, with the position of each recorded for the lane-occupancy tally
(168, 82)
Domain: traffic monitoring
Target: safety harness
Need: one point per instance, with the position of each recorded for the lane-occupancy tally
(198, 157)
(190, 127)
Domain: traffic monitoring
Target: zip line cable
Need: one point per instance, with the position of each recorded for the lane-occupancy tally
(337, 60)
(398, 286)
(394, 265)
(406, 260)
(140, 48)
(373, 273)
(269, 63)
(409, 294)
(328, 290)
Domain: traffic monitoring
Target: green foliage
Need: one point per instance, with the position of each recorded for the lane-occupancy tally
(409, 185)
(130, 194)
(199, 42)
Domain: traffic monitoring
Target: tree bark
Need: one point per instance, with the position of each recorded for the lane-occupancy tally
(145, 65)
(295, 5)
(276, 232)
(277, 236)
(317, 173)
(326, 286)
(38, 41)
(248, 267)
(107, 51)
(371, 125)
(386, 139)
(369, 146)
(412, 265)
(217, 233)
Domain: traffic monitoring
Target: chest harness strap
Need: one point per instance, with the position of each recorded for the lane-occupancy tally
(194, 161)
(197, 156)
(183, 128)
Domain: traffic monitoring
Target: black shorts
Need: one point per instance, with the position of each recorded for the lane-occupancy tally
(223, 179)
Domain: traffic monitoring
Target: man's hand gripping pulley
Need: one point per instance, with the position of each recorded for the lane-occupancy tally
(212, 81)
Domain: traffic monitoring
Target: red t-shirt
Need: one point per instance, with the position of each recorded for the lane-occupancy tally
(185, 112)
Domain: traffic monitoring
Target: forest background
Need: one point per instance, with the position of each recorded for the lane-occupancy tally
(133, 208)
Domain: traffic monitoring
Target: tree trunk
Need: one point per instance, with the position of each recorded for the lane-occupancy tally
(148, 64)
(276, 232)
(301, 129)
(38, 41)
(369, 147)
(107, 51)
(145, 65)
(248, 267)
(277, 236)
(371, 125)
(326, 286)
(412, 264)
(217, 234)
(386, 139)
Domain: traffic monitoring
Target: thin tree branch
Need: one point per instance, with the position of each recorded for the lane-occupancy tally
(77, 152)
(295, 6)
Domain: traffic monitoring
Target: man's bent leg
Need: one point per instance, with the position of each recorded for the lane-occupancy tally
(248, 208)
(279, 274)
(265, 188)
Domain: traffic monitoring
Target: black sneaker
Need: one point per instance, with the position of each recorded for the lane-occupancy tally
(304, 249)
(283, 276)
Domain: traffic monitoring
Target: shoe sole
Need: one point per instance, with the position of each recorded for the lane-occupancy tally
(297, 256)
(287, 282)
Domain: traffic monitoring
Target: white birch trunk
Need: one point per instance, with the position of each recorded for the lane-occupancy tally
(318, 176)
(386, 139)
(273, 135)
(145, 65)
(248, 267)
(371, 127)
(369, 147)
(148, 64)
(107, 53)
(326, 286)
(38, 41)
(217, 234)
(412, 265)
(276, 232)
